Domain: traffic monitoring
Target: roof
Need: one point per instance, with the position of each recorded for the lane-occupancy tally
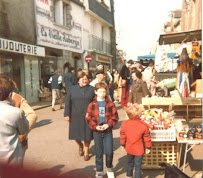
(180, 37)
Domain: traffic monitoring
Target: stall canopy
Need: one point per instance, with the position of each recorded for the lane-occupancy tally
(152, 56)
(180, 37)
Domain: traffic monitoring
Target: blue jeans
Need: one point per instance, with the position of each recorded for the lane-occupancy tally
(111, 93)
(103, 144)
(134, 161)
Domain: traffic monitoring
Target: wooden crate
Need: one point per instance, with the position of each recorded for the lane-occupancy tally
(161, 152)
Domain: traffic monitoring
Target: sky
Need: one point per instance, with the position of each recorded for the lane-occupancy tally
(139, 23)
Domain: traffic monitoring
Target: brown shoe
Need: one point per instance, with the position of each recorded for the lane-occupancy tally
(86, 157)
(81, 152)
(53, 109)
(61, 107)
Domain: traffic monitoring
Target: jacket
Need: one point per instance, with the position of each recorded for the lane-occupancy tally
(138, 91)
(55, 81)
(135, 135)
(92, 116)
(12, 123)
(125, 74)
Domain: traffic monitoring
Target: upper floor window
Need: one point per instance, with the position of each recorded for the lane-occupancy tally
(61, 12)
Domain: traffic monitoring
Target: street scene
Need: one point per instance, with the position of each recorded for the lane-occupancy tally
(101, 88)
(53, 131)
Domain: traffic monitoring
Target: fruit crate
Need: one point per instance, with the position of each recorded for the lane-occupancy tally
(163, 135)
(161, 152)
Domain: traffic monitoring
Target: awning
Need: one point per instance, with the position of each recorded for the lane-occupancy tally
(152, 56)
(179, 37)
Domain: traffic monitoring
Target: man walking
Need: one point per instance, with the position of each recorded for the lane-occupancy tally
(56, 86)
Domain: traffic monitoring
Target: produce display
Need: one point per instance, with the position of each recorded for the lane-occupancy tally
(157, 119)
(191, 133)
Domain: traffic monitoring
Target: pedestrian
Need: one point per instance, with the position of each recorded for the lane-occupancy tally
(69, 78)
(77, 100)
(99, 78)
(12, 123)
(116, 79)
(102, 116)
(56, 86)
(125, 83)
(110, 84)
(30, 115)
(135, 139)
(138, 89)
(148, 77)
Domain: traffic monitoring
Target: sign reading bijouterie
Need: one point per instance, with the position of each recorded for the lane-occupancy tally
(23, 48)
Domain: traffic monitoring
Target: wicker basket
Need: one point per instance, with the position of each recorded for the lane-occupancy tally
(163, 135)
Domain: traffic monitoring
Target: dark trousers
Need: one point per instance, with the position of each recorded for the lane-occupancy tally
(103, 144)
(134, 161)
(111, 93)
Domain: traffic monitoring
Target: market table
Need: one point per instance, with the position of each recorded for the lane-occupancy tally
(188, 142)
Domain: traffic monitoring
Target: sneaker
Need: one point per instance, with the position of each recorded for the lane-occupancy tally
(53, 109)
(110, 174)
(99, 174)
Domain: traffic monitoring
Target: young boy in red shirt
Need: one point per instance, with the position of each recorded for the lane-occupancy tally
(135, 139)
(101, 117)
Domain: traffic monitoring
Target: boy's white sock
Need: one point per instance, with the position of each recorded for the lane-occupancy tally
(99, 174)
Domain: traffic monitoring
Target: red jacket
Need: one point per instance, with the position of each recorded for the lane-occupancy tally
(135, 135)
(92, 116)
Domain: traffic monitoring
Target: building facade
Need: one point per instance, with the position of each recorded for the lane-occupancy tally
(19, 54)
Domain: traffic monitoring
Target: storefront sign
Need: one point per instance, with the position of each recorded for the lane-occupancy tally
(23, 48)
(57, 38)
(54, 33)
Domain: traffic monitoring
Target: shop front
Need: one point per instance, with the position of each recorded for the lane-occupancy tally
(19, 61)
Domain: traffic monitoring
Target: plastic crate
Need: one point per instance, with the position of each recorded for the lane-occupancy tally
(161, 152)
(163, 135)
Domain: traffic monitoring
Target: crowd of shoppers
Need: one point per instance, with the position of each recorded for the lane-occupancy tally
(90, 110)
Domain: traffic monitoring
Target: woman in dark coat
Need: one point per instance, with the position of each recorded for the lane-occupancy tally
(138, 89)
(78, 98)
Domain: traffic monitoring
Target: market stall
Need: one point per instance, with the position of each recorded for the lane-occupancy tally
(168, 138)
(163, 136)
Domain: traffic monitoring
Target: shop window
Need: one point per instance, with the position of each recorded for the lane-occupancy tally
(11, 69)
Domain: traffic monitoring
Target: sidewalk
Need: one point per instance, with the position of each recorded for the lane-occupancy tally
(40, 105)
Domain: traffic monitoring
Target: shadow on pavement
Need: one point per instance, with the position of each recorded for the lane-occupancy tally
(116, 143)
(152, 173)
(120, 167)
(118, 125)
(87, 172)
(42, 123)
(54, 170)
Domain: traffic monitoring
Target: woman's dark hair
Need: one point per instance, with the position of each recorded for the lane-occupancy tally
(67, 65)
(81, 74)
(6, 87)
(138, 74)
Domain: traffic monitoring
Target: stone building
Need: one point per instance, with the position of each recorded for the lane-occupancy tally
(51, 33)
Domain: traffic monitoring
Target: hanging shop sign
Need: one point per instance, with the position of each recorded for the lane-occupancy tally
(23, 48)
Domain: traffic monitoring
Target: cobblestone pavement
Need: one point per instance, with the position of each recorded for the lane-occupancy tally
(51, 151)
